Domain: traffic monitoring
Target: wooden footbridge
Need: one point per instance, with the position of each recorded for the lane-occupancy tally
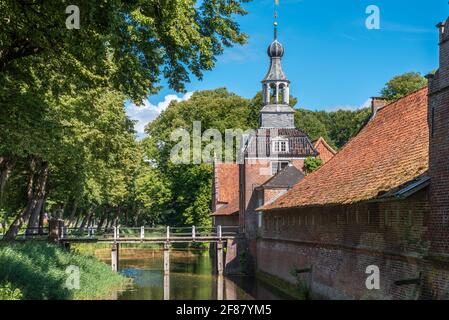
(220, 236)
(149, 235)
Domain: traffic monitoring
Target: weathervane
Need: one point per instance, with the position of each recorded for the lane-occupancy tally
(276, 3)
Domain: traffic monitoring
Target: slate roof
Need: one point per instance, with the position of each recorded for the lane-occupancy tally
(389, 151)
(285, 178)
(299, 144)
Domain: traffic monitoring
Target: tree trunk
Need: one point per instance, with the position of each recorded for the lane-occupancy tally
(40, 193)
(103, 219)
(83, 222)
(6, 166)
(72, 215)
(136, 217)
(116, 216)
(31, 203)
(91, 217)
(77, 221)
(42, 217)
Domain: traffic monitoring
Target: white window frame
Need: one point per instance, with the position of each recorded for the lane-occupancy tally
(279, 145)
(278, 166)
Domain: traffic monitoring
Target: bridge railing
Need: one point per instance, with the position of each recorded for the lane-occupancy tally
(134, 233)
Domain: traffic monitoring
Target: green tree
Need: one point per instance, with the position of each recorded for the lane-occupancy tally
(190, 184)
(312, 164)
(310, 124)
(403, 85)
(126, 44)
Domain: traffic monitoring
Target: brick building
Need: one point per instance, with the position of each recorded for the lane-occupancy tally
(274, 148)
(381, 201)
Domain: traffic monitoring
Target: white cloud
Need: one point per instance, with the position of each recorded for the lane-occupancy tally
(147, 112)
(366, 104)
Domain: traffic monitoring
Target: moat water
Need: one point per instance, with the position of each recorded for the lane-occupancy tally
(191, 278)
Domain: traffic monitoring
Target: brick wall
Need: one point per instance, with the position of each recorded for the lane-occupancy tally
(254, 174)
(232, 220)
(439, 149)
(340, 242)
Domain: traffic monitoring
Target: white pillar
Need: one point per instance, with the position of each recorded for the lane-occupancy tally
(220, 287)
(193, 233)
(166, 258)
(220, 258)
(115, 256)
(219, 234)
(287, 94)
(142, 233)
(166, 287)
(267, 93)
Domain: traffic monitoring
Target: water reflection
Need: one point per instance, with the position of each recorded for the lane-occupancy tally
(190, 277)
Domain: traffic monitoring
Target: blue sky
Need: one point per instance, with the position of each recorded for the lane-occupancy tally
(332, 60)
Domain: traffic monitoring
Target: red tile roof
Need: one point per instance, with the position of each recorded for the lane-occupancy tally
(226, 186)
(389, 151)
(228, 209)
(326, 152)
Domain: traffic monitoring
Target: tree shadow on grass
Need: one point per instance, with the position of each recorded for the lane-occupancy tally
(36, 268)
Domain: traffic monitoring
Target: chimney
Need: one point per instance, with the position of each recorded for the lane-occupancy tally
(441, 27)
(443, 73)
(377, 103)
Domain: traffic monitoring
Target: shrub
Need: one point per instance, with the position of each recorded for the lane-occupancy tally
(8, 292)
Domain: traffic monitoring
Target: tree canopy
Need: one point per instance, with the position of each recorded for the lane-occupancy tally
(403, 85)
(129, 45)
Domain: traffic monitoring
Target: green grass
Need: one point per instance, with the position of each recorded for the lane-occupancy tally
(37, 270)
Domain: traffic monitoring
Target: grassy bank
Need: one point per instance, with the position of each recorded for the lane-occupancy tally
(37, 270)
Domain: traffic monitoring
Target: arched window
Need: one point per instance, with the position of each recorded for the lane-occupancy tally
(273, 93)
(282, 92)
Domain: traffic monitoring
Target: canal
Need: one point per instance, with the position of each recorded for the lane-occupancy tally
(191, 278)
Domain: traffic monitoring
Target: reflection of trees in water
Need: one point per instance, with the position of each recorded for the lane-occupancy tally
(191, 277)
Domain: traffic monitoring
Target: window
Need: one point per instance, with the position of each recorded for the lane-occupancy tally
(280, 145)
(277, 166)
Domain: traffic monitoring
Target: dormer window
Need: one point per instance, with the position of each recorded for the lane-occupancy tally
(280, 145)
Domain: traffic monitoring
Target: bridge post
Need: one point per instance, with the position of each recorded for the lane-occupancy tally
(193, 233)
(115, 256)
(220, 258)
(220, 287)
(142, 233)
(166, 287)
(166, 258)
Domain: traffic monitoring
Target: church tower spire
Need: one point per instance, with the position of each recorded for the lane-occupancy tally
(276, 112)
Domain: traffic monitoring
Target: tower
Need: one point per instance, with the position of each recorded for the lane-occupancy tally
(276, 111)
